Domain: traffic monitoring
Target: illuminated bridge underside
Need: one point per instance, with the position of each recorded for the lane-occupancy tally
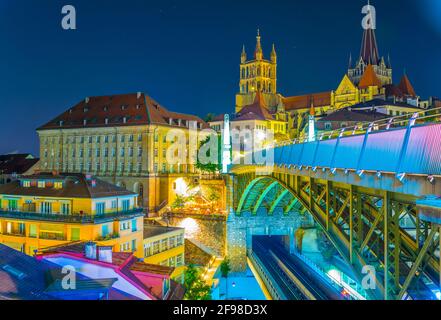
(361, 211)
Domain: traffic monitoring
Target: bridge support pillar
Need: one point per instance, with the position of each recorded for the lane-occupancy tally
(292, 242)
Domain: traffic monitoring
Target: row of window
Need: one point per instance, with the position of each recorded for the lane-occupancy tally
(176, 261)
(159, 246)
(96, 139)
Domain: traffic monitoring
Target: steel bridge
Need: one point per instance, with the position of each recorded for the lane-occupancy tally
(374, 190)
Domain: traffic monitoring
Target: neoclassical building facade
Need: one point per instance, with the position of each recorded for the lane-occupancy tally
(124, 139)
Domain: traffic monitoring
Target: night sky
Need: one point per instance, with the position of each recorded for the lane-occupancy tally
(186, 54)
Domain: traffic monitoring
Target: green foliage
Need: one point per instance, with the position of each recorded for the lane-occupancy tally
(179, 202)
(211, 167)
(196, 288)
(225, 267)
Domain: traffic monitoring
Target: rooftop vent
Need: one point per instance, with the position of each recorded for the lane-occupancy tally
(90, 250)
(105, 254)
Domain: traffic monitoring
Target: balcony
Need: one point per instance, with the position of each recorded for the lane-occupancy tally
(52, 236)
(72, 218)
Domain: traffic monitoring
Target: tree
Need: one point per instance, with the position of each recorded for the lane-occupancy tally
(211, 167)
(196, 288)
(179, 202)
(225, 270)
(214, 197)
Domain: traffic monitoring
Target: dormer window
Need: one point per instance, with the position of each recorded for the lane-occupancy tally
(106, 108)
(61, 122)
(124, 119)
(106, 120)
(86, 109)
(138, 107)
(123, 107)
(85, 122)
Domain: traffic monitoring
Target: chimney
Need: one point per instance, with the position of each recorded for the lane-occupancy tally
(105, 254)
(90, 250)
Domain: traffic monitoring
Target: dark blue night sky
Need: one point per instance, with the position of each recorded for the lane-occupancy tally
(186, 54)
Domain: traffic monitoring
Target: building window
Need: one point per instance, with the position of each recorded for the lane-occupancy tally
(26, 183)
(156, 247)
(125, 205)
(180, 240)
(139, 152)
(328, 126)
(125, 225)
(164, 245)
(130, 152)
(100, 208)
(172, 242)
(58, 185)
(65, 208)
(46, 207)
(114, 204)
(134, 226)
(179, 260)
(125, 247)
(41, 184)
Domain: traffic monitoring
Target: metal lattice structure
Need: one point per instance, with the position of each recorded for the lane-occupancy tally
(364, 200)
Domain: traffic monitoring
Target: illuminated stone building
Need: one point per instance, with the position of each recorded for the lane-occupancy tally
(123, 140)
(369, 78)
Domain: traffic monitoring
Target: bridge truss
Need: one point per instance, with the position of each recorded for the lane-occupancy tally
(366, 225)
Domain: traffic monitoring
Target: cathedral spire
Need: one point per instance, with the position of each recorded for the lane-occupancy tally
(369, 48)
(273, 54)
(258, 53)
(243, 57)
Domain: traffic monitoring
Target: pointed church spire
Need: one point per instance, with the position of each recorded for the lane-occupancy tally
(258, 53)
(243, 57)
(369, 49)
(273, 54)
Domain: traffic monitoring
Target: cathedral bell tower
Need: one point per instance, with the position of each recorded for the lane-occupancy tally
(256, 75)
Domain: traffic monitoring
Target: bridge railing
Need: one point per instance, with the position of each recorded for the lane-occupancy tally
(422, 117)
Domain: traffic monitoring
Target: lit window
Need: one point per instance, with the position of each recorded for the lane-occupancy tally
(26, 184)
(58, 185)
(41, 184)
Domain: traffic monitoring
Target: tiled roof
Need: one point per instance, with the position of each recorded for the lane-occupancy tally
(320, 99)
(119, 110)
(152, 231)
(406, 87)
(21, 276)
(353, 116)
(258, 110)
(369, 78)
(75, 186)
(381, 103)
(16, 163)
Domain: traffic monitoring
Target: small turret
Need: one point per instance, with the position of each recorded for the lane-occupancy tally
(273, 54)
(258, 54)
(243, 56)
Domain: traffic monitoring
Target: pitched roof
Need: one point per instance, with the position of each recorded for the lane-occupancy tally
(349, 115)
(371, 104)
(369, 78)
(152, 231)
(21, 277)
(119, 110)
(258, 110)
(76, 185)
(320, 99)
(16, 163)
(406, 87)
